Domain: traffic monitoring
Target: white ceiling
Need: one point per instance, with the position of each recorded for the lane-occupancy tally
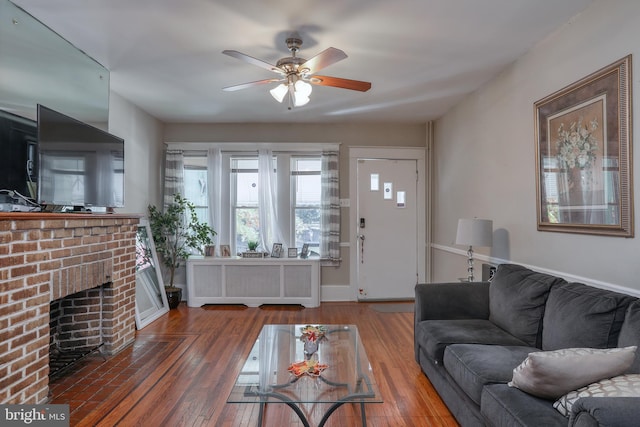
(421, 56)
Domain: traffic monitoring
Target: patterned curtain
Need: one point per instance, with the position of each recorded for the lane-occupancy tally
(330, 209)
(173, 175)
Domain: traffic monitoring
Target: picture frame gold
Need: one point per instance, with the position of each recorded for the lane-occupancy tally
(583, 137)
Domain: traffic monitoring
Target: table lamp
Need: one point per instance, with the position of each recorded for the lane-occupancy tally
(474, 232)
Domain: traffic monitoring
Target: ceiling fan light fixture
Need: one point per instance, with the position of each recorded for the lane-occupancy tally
(297, 73)
(300, 100)
(279, 92)
(303, 88)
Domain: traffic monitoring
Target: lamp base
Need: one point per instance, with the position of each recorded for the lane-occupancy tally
(470, 264)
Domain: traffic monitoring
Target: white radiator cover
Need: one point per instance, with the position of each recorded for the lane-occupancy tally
(253, 282)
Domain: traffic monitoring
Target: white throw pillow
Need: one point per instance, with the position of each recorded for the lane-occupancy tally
(621, 386)
(551, 374)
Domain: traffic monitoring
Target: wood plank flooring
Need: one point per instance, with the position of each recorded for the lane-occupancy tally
(182, 367)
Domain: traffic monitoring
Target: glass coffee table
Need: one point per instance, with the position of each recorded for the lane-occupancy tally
(306, 365)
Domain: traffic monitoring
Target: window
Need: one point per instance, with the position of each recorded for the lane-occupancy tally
(298, 193)
(305, 177)
(245, 224)
(195, 184)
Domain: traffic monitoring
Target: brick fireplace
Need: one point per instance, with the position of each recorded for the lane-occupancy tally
(45, 258)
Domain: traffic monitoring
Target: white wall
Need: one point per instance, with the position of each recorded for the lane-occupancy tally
(485, 158)
(142, 153)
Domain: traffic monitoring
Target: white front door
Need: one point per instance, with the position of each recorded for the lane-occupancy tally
(386, 228)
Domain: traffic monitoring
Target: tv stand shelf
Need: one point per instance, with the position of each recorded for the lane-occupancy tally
(253, 282)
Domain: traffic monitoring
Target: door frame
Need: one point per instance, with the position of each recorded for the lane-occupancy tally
(387, 153)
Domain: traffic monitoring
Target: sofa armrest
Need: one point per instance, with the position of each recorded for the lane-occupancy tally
(457, 300)
(449, 301)
(605, 411)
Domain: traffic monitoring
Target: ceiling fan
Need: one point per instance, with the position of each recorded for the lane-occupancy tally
(298, 74)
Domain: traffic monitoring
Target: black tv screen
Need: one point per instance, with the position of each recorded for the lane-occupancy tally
(18, 159)
(80, 166)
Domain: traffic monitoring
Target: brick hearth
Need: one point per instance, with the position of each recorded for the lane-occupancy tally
(44, 257)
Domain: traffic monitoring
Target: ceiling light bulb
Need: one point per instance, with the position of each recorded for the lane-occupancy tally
(279, 92)
(303, 88)
(300, 100)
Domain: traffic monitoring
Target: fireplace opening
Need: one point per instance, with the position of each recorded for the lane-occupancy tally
(75, 324)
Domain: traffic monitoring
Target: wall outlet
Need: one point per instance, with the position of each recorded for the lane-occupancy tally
(345, 203)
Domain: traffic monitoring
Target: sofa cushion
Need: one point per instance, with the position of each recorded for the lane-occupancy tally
(435, 335)
(473, 366)
(578, 315)
(620, 386)
(550, 374)
(502, 405)
(630, 333)
(517, 298)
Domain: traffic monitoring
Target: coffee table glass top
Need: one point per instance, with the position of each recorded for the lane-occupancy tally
(306, 364)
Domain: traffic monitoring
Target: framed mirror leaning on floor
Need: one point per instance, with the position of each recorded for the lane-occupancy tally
(151, 299)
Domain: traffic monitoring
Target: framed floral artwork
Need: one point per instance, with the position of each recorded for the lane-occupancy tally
(583, 155)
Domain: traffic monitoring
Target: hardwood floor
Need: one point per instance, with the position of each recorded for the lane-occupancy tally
(182, 367)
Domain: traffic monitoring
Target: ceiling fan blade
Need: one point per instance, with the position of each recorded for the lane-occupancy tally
(322, 60)
(341, 83)
(250, 84)
(251, 60)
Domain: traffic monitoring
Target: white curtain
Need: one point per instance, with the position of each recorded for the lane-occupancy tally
(330, 209)
(269, 230)
(214, 192)
(173, 175)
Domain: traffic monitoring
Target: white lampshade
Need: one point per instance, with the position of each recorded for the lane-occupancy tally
(300, 100)
(301, 93)
(303, 88)
(475, 232)
(279, 92)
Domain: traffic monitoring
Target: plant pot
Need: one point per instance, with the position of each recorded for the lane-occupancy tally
(174, 296)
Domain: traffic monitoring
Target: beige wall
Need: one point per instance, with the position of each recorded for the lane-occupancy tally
(348, 135)
(485, 164)
(142, 136)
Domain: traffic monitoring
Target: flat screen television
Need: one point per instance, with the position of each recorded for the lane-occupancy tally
(80, 166)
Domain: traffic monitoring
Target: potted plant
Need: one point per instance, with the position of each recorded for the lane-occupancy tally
(176, 233)
(252, 253)
(252, 245)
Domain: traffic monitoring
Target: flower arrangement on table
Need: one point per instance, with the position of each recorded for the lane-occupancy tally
(312, 336)
(313, 333)
(310, 367)
(577, 146)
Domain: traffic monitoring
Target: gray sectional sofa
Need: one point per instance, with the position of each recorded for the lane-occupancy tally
(469, 338)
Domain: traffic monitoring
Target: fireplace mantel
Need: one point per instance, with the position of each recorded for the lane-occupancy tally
(43, 257)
